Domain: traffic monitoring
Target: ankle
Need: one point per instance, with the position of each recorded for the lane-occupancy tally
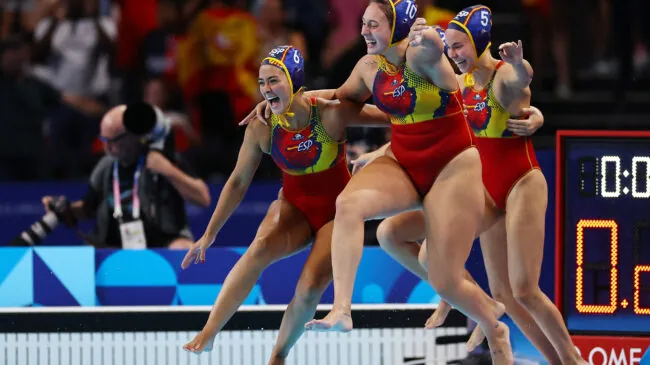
(495, 329)
(277, 359)
(209, 330)
(342, 308)
(573, 358)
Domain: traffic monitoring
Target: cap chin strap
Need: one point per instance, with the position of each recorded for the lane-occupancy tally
(469, 78)
(287, 112)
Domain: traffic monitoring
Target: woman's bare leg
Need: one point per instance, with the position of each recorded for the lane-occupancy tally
(453, 210)
(525, 220)
(381, 189)
(495, 256)
(283, 231)
(316, 276)
(398, 235)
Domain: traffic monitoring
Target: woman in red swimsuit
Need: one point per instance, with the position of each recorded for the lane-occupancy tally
(516, 195)
(432, 163)
(306, 139)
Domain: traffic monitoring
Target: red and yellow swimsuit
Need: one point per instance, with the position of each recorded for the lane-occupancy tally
(314, 167)
(427, 123)
(505, 157)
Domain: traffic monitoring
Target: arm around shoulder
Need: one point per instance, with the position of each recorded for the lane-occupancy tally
(353, 113)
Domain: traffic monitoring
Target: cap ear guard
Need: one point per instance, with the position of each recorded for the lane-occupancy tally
(404, 12)
(290, 60)
(476, 22)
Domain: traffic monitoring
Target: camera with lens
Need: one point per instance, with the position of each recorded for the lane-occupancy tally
(60, 212)
(150, 124)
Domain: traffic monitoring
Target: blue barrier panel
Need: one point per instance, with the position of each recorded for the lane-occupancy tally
(379, 280)
(83, 276)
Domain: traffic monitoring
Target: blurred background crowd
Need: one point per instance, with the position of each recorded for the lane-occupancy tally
(65, 62)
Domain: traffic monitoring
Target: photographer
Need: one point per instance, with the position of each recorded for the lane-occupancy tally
(136, 193)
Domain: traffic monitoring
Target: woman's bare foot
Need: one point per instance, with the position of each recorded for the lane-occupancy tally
(439, 316)
(334, 321)
(478, 336)
(202, 342)
(500, 348)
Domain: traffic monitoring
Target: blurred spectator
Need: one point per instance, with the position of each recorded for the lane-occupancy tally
(435, 15)
(217, 69)
(75, 45)
(274, 30)
(156, 218)
(155, 93)
(136, 19)
(345, 30)
(549, 26)
(25, 102)
(18, 16)
(600, 23)
(157, 53)
(228, 39)
(312, 18)
(628, 15)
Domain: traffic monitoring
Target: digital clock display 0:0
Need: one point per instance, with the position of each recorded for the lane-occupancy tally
(606, 191)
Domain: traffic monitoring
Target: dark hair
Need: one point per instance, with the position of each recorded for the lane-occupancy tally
(386, 8)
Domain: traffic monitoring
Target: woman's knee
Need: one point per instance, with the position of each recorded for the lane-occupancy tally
(444, 282)
(387, 234)
(502, 293)
(350, 204)
(525, 290)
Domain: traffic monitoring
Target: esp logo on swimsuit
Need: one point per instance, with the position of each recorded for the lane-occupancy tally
(305, 145)
(399, 91)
